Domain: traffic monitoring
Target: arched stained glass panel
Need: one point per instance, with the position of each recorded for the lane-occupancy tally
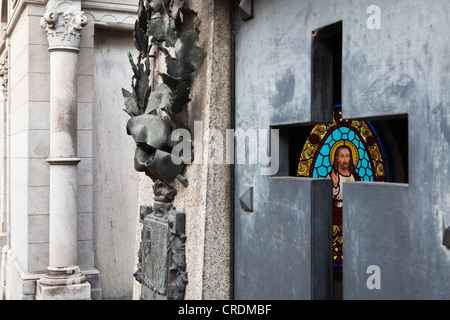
(363, 148)
(360, 136)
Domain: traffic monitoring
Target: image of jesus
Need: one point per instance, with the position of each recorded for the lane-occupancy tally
(343, 170)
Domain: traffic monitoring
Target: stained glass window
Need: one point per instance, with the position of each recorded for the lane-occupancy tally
(367, 158)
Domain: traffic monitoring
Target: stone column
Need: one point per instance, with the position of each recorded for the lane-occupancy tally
(63, 279)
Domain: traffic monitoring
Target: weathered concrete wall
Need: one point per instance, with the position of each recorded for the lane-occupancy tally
(207, 200)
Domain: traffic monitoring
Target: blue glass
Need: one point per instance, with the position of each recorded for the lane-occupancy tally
(322, 165)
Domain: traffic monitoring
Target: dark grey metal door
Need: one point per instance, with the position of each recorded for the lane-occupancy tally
(282, 250)
(282, 223)
(388, 69)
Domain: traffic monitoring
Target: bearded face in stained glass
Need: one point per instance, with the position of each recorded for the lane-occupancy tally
(344, 151)
(318, 152)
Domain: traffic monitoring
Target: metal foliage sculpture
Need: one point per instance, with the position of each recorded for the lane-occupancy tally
(172, 29)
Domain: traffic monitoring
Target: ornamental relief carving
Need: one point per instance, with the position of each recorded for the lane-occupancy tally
(4, 72)
(63, 28)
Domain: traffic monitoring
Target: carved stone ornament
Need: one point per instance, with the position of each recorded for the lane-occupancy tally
(4, 72)
(63, 28)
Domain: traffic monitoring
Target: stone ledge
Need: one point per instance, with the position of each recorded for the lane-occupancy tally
(81, 291)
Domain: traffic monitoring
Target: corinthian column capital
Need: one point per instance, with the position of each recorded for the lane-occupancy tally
(63, 28)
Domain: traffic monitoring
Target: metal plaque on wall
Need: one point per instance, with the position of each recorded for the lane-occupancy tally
(154, 254)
